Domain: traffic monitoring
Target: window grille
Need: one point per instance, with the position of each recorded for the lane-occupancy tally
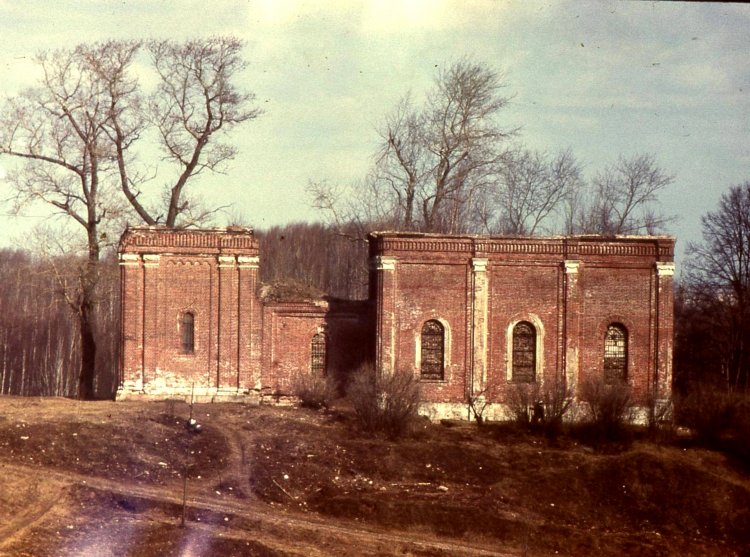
(432, 365)
(188, 333)
(318, 355)
(615, 354)
(524, 353)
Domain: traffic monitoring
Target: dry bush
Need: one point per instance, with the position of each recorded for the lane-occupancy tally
(522, 398)
(557, 398)
(709, 410)
(541, 408)
(314, 391)
(384, 403)
(610, 408)
(477, 405)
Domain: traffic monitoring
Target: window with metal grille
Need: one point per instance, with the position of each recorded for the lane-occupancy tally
(187, 330)
(615, 353)
(524, 352)
(432, 350)
(318, 355)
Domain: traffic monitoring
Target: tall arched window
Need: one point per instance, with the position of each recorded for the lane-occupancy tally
(615, 353)
(318, 355)
(432, 365)
(187, 331)
(524, 352)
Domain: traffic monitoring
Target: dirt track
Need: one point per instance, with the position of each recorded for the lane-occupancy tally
(105, 479)
(52, 497)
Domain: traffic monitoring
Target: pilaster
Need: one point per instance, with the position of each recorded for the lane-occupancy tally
(249, 344)
(227, 353)
(150, 320)
(571, 334)
(385, 347)
(479, 304)
(664, 329)
(131, 322)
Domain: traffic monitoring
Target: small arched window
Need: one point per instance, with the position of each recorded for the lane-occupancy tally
(615, 353)
(318, 355)
(432, 365)
(524, 352)
(187, 330)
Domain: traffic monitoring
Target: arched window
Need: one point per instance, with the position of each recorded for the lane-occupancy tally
(187, 330)
(318, 355)
(615, 353)
(432, 364)
(524, 352)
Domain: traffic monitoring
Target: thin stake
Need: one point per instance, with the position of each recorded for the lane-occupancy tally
(187, 456)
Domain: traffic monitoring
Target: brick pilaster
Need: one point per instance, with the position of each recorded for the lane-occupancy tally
(385, 348)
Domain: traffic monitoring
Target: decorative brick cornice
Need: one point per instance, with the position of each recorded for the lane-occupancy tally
(166, 240)
(661, 247)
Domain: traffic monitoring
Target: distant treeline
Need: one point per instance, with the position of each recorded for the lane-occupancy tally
(39, 340)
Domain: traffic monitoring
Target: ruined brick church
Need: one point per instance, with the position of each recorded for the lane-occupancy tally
(468, 315)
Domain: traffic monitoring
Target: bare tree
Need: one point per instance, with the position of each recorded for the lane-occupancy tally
(58, 129)
(435, 159)
(195, 101)
(624, 199)
(530, 190)
(77, 134)
(720, 267)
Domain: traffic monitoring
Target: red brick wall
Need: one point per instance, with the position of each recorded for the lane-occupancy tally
(209, 273)
(288, 330)
(477, 287)
(569, 288)
(522, 292)
(240, 345)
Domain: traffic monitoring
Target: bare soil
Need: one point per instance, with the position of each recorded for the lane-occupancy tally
(106, 479)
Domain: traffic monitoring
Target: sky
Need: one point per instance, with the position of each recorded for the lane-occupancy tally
(602, 78)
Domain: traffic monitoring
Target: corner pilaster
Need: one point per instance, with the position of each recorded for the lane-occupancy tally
(385, 347)
(664, 329)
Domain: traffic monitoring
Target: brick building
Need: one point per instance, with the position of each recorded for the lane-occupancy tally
(468, 315)
(474, 316)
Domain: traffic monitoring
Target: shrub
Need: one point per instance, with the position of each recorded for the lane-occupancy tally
(709, 410)
(314, 391)
(477, 405)
(557, 399)
(522, 399)
(610, 408)
(385, 403)
(541, 408)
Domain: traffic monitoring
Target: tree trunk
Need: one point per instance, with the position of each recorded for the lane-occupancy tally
(88, 353)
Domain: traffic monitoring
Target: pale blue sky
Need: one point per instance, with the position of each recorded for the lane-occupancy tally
(667, 78)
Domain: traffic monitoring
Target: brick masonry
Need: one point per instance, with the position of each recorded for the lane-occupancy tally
(569, 288)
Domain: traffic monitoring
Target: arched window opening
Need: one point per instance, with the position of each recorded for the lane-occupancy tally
(524, 352)
(187, 329)
(432, 365)
(318, 355)
(615, 353)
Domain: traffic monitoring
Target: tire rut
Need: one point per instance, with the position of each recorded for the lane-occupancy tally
(285, 522)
